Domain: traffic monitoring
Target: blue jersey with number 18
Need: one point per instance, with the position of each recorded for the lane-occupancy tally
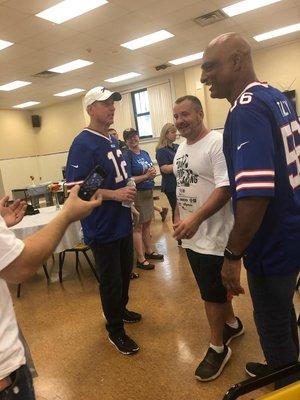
(111, 221)
(262, 151)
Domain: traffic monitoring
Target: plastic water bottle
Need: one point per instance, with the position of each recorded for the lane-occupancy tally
(130, 183)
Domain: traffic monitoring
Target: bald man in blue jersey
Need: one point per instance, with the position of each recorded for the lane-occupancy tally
(262, 151)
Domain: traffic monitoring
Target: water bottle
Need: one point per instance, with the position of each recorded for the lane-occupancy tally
(130, 183)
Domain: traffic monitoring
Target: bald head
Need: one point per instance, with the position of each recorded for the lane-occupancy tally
(227, 63)
(231, 43)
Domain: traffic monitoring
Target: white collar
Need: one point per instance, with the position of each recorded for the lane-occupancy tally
(98, 134)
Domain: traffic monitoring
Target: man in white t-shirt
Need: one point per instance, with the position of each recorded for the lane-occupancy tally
(18, 261)
(203, 220)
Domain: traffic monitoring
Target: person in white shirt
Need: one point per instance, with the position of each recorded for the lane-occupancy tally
(18, 261)
(203, 220)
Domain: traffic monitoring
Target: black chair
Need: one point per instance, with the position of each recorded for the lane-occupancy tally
(47, 277)
(79, 248)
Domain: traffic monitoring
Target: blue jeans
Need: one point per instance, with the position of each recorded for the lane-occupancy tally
(275, 319)
(21, 387)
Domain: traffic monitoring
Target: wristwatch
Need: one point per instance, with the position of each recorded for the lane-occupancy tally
(231, 256)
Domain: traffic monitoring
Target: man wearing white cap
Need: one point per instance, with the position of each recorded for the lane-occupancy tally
(108, 230)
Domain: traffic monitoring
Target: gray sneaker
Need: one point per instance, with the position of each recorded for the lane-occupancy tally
(232, 333)
(212, 364)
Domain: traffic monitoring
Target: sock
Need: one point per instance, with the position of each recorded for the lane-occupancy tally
(218, 349)
(235, 325)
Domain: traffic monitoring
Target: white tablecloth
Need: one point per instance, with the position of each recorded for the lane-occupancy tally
(32, 223)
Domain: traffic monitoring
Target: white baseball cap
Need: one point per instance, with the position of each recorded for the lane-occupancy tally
(99, 93)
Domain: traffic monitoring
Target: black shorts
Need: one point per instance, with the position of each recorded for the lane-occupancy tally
(207, 271)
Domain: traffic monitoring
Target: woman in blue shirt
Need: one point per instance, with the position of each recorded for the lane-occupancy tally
(165, 152)
(140, 168)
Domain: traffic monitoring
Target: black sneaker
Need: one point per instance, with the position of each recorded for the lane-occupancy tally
(131, 316)
(154, 256)
(212, 364)
(124, 344)
(254, 369)
(230, 333)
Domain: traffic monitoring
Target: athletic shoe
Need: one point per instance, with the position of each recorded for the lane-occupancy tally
(131, 316)
(212, 364)
(164, 213)
(254, 369)
(124, 343)
(144, 265)
(154, 256)
(230, 333)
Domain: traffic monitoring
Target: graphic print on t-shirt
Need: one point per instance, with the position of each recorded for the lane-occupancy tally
(185, 178)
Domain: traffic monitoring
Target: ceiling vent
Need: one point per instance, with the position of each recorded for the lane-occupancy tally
(45, 74)
(211, 18)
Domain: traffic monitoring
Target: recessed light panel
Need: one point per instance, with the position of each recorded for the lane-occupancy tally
(147, 40)
(123, 77)
(27, 104)
(277, 32)
(71, 66)
(14, 85)
(246, 5)
(68, 9)
(69, 92)
(4, 44)
(186, 59)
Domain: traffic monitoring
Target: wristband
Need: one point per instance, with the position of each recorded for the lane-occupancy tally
(231, 256)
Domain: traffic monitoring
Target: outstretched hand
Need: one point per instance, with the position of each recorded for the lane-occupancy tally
(14, 213)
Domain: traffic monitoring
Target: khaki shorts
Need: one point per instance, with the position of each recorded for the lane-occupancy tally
(144, 204)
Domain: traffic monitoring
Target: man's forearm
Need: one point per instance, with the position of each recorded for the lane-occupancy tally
(248, 218)
(167, 168)
(38, 248)
(217, 200)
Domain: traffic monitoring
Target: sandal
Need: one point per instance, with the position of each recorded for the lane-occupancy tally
(134, 275)
(145, 265)
(154, 256)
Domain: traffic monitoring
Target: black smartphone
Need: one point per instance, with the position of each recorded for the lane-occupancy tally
(92, 183)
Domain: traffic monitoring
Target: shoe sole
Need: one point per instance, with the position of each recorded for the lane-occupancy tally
(235, 336)
(250, 373)
(127, 353)
(220, 369)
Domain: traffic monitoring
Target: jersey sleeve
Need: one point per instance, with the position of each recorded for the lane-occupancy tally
(80, 163)
(162, 157)
(218, 163)
(253, 151)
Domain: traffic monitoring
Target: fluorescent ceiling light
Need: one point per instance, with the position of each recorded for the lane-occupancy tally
(27, 104)
(69, 92)
(246, 5)
(68, 9)
(186, 59)
(14, 85)
(277, 32)
(71, 66)
(147, 40)
(123, 77)
(4, 44)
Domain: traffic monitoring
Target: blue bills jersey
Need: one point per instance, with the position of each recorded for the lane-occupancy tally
(262, 151)
(111, 221)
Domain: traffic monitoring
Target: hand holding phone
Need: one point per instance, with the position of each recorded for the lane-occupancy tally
(92, 183)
